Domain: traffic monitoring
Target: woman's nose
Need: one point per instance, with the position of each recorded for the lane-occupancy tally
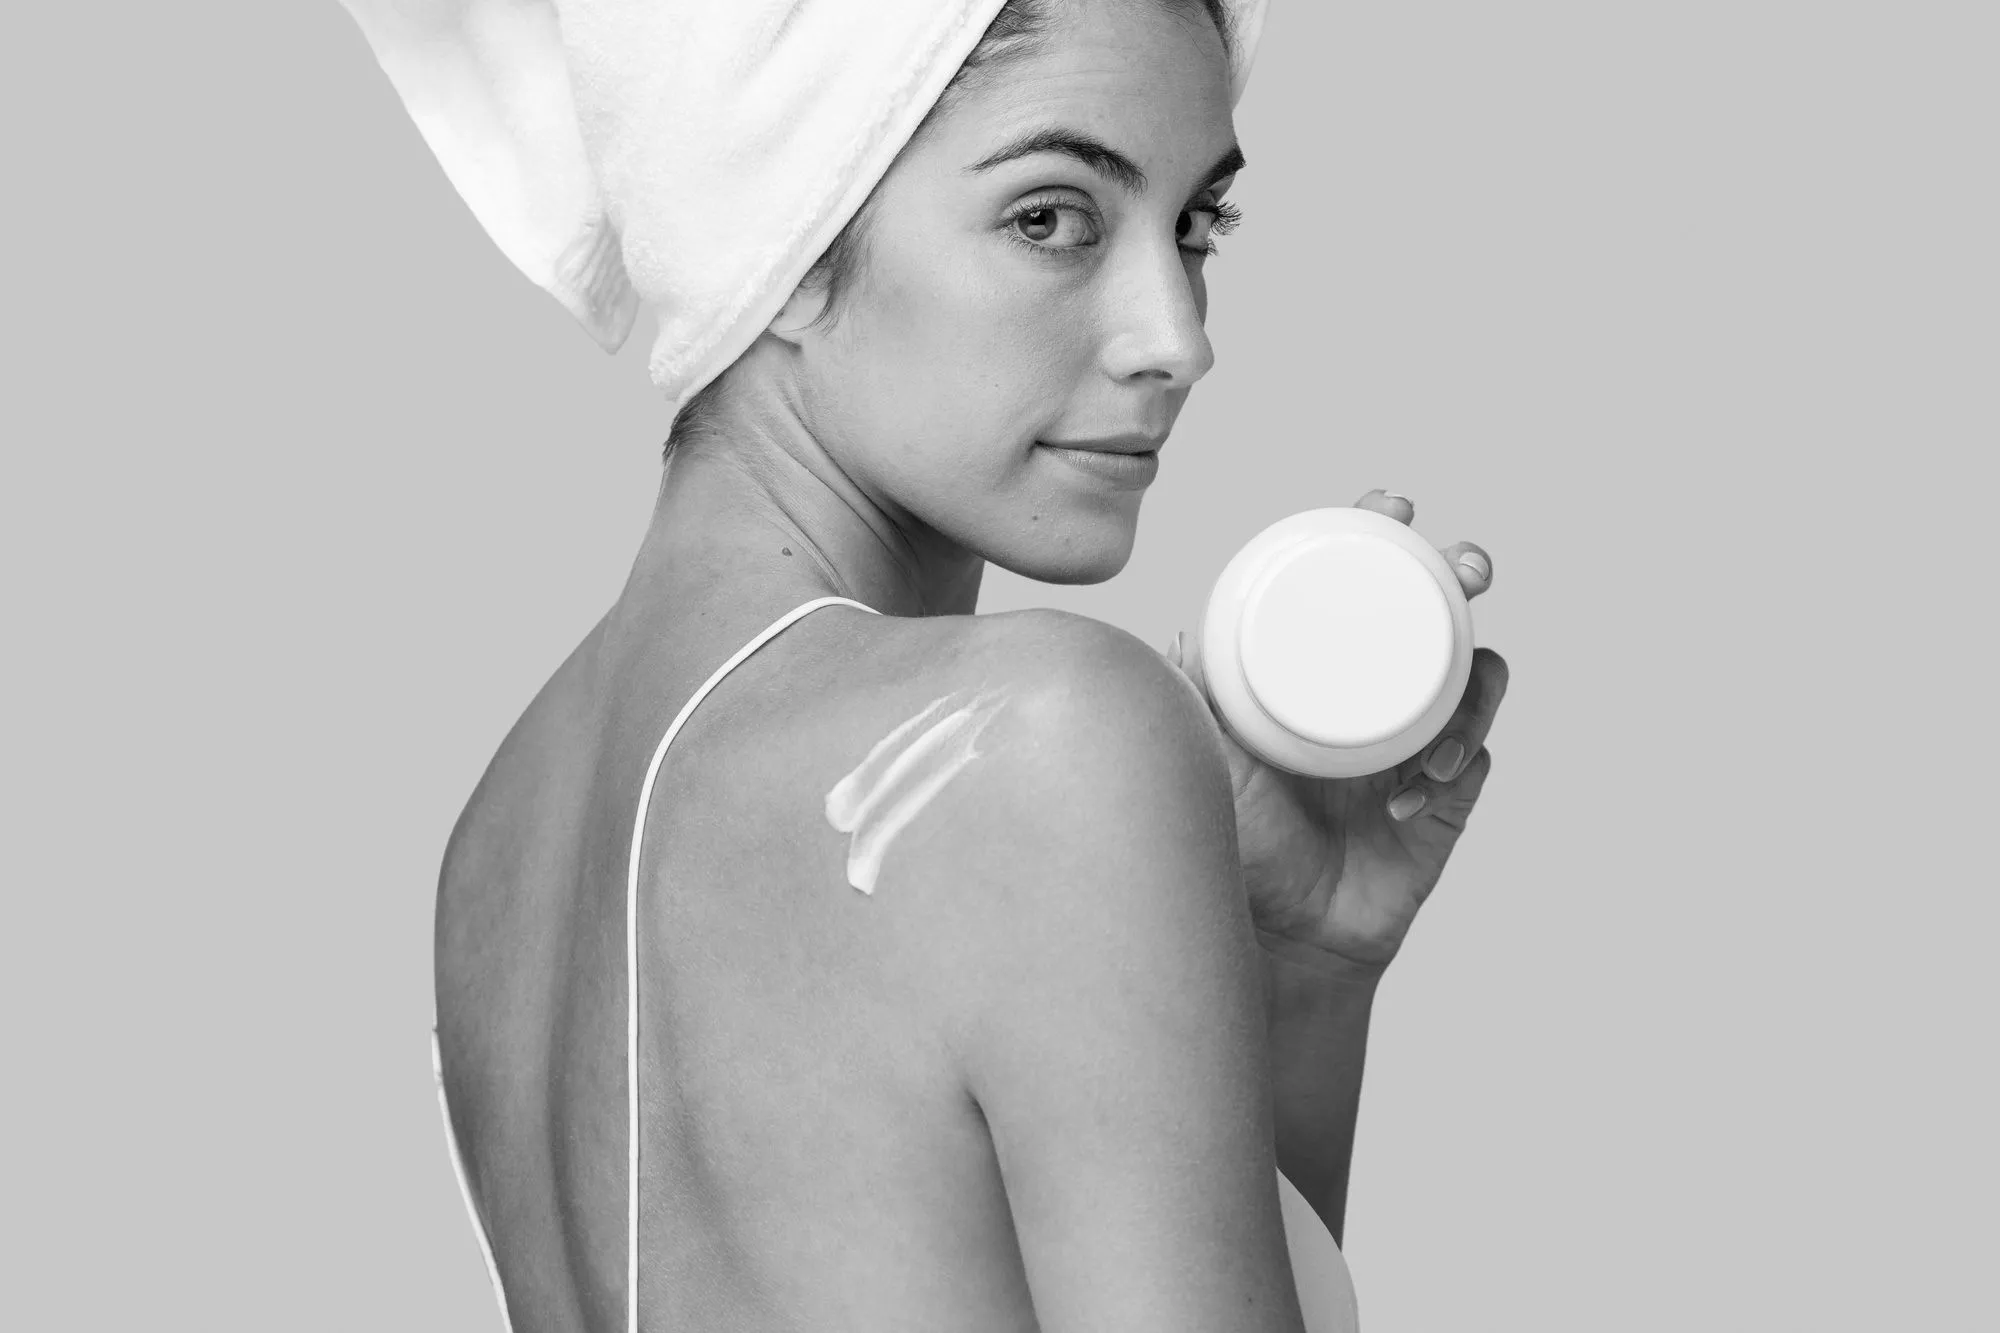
(1156, 322)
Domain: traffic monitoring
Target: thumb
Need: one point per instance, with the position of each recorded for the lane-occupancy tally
(1185, 653)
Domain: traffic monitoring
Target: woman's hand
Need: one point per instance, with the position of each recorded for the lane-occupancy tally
(1336, 868)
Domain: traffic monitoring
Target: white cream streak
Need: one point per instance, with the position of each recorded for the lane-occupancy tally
(905, 769)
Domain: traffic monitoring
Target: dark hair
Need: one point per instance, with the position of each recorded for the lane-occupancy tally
(1014, 34)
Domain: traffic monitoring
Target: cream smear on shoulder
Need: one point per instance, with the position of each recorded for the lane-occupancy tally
(899, 777)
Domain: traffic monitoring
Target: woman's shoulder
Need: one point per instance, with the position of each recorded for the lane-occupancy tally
(1042, 654)
(926, 743)
(1067, 687)
(1032, 726)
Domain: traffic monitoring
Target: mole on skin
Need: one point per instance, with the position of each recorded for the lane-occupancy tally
(891, 786)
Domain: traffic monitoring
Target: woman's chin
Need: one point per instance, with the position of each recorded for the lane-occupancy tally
(1091, 554)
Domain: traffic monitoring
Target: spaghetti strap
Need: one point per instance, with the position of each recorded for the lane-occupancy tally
(465, 1185)
(632, 941)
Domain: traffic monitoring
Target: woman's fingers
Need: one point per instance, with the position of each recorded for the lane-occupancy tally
(1444, 758)
(1457, 796)
(1457, 760)
(1473, 566)
(1468, 560)
(1395, 506)
(1417, 794)
(1184, 652)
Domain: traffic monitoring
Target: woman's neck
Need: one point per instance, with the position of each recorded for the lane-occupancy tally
(761, 505)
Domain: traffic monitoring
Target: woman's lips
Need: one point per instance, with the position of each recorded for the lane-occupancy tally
(1126, 471)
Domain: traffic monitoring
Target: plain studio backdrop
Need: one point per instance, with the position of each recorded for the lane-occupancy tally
(1686, 311)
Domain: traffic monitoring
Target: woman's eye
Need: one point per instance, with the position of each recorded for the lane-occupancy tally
(1192, 229)
(1057, 226)
(1196, 228)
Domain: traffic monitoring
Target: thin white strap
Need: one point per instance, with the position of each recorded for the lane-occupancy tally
(465, 1185)
(632, 947)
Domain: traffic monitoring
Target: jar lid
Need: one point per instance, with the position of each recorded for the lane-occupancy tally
(1346, 640)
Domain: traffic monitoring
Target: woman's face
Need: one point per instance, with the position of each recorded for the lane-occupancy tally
(1011, 301)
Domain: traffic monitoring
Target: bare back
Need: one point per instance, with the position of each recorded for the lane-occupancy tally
(812, 1157)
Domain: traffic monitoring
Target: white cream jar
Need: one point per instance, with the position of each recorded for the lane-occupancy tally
(1336, 643)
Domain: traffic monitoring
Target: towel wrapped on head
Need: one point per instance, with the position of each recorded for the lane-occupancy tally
(694, 155)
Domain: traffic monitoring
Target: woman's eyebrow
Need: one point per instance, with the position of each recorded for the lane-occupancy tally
(1094, 153)
(1099, 156)
(1224, 167)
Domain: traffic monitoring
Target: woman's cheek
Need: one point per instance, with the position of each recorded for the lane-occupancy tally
(977, 355)
(981, 340)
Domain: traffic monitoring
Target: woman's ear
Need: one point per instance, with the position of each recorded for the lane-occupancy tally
(801, 309)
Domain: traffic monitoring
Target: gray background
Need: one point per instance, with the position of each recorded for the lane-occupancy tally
(1685, 311)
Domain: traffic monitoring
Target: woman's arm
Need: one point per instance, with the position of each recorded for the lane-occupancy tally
(1319, 1011)
(1106, 1003)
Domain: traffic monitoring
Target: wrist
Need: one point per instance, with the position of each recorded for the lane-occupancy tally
(1309, 962)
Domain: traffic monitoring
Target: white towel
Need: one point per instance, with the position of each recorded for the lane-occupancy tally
(694, 155)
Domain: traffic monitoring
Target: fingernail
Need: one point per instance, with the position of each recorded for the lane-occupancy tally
(1445, 759)
(1477, 563)
(1405, 803)
(1391, 495)
(1174, 653)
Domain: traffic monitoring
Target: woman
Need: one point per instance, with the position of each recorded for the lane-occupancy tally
(971, 978)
